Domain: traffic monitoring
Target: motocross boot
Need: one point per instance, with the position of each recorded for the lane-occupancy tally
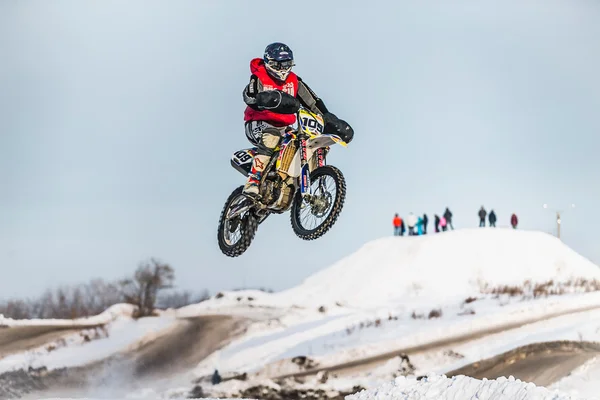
(258, 166)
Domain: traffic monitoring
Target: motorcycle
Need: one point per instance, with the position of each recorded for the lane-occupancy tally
(297, 179)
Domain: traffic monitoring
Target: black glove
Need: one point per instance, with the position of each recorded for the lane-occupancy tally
(338, 127)
(277, 101)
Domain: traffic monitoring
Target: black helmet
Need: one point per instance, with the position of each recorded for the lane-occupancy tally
(279, 60)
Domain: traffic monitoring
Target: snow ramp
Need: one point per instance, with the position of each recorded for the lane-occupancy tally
(446, 265)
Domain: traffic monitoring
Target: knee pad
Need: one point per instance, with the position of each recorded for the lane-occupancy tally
(268, 142)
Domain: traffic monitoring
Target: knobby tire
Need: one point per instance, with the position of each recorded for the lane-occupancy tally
(338, 204)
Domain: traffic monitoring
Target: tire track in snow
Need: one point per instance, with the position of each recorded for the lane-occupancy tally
(541, 363)
(366, 362)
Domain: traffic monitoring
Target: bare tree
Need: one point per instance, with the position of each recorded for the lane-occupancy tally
(44, 306)
(262, 289)
(174, 300)
(203, 296)
(100, 295)
(147, 289)
(148, 280)
(181, 299)
(17, 309)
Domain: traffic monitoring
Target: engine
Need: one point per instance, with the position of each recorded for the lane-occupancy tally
(276, 192)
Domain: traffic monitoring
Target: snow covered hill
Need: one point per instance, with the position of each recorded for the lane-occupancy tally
(445, 265)
(427, 269)
(447, 300)
(382, 298)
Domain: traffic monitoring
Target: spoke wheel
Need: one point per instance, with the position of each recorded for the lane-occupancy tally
(235, 234)
(312, 218)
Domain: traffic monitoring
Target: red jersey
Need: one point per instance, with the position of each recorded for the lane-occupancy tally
(290, 86)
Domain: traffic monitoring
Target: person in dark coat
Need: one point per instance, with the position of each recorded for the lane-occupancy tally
(514, 221)
(482, 215)
(448, 216)
(436, 222)
(425, 222)
(216, 378)
(492, 218)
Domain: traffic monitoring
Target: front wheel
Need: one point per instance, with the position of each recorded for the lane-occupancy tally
(235, 233)
(312, 218)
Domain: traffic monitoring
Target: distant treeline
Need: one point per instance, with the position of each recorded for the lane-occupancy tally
(149, 288)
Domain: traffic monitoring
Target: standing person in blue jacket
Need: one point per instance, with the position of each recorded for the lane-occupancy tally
(420, 226)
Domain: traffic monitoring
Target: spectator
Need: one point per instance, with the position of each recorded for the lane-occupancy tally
(420, 226)
(411, 221)
(436, 221)
(482, 214)
(216, 378)
(402, 228)
(425, 222)
(448, 217)
(514, 221)
(492, 218)
(444, 224)
(397, 225)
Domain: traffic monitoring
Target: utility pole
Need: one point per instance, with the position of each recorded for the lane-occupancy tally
(558, 218)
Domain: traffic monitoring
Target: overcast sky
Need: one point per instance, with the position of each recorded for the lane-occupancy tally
(118, 120)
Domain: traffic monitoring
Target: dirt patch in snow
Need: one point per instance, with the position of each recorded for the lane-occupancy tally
(540, 363)
(22, 338)
(285, 389)
(176, 350)
(190, 342)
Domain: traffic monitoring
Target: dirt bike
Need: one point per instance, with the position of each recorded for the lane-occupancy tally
(295, 179)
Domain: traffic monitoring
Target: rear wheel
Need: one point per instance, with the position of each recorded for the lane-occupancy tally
(237, 224)
(312, 218)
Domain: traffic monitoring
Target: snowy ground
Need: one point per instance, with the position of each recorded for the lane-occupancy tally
(440, 387)
(448, 300)
(118, 334)
(341, 338)
(112, 313)
(394, 274)
(583, 382)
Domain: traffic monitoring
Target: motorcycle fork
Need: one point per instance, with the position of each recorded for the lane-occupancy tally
(321, 153)
(320, 157)
(304, 169)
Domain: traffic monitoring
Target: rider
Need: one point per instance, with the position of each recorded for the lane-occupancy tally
(273, 96)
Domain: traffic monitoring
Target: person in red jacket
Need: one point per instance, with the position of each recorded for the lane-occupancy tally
(514, 221)
(397, 225)
(273, 96)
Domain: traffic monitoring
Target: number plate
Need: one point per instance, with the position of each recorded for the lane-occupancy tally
(242, 157)
(312, 124)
